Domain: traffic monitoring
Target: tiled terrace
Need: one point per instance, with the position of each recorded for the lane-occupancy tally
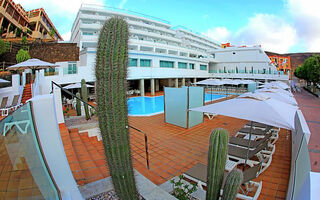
(172, 150)
(310, 107)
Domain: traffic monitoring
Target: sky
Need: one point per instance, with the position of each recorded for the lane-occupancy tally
(281, 26)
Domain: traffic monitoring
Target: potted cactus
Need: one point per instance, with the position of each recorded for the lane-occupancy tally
(112, 111)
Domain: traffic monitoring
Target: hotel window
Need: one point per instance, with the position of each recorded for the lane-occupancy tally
(182, 65)
(72, 68)
(87, 33)
(191, 65)
(133, 62)
(168, 64)
(51, 71)
(203, 67)
(145, 63)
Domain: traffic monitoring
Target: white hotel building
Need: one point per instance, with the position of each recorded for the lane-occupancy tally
(160, 55)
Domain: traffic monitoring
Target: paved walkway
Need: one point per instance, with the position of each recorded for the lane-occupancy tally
(310, 107)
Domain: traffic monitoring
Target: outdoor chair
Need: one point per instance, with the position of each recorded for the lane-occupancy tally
(3, 110)
(198, 174)
(257, 133)
(4, 102)
(239, 154)
(14, 106)
(244, 143)
(210, 115)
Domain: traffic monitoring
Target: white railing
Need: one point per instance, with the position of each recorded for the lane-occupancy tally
(250, 76)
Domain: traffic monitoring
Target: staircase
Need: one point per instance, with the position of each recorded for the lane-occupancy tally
(26, 95)
(85, 155)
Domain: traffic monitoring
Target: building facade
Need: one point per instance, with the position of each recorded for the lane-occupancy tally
(15, 22)
(161, 55)
(283, 63)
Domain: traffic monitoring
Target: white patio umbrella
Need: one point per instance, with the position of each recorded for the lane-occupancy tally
(279, 96)
(210, 82)
(33, 63)
(285, 92)
(255, 107)
(4, 81)
(275, 84)
(75, 86)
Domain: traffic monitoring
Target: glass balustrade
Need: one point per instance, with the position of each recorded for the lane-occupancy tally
(23, 171)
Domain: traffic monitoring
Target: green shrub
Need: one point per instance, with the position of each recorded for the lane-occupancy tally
(22, 55)
(4, 46)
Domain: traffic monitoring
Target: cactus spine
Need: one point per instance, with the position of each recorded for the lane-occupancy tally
(217, 156)
(78, 104)
(232, 185)
(111, 87)
(84, 94)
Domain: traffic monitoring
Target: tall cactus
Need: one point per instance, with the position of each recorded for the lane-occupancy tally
(84, 94)
(78, 104)
(111, 73)
(217, 156)
(231, 187)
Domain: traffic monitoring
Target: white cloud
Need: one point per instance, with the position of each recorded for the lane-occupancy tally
(270, 31)
(306, 17)
(221, 34)
(122, 3)
(66, 36)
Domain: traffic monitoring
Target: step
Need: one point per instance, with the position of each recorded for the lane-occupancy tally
(98, 158)
(71, 155)
(88, 166)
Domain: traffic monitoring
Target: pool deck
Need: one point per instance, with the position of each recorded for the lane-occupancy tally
(310, 107)
(172, 151)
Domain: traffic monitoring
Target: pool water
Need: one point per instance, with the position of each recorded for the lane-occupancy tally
(144, 106)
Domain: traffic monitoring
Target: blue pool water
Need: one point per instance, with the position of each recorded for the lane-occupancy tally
(153, 105)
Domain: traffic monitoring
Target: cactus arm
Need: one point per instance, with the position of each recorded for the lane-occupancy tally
(232, 185)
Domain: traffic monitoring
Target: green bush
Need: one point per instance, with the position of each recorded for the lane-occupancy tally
(4, 46)
(22, 55)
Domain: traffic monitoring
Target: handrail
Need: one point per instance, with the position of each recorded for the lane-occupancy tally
(70, 93)
(145, 143)
(145, 135)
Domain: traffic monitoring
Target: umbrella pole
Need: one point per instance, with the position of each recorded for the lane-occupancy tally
(211, 94)
(245, 163)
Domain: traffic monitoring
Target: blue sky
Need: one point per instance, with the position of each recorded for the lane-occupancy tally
(278, 25)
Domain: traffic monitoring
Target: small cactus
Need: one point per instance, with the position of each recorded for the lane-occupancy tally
(78, 104)
(84, 94)
(231, 187)
(217, 157)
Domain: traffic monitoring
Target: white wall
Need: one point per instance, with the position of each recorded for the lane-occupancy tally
(51, 143)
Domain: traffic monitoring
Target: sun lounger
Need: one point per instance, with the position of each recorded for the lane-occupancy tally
(210, 115)
(244, 143)
(258, 133)
(262, 152)
(4, 111)
(198, 174)
(4, 102)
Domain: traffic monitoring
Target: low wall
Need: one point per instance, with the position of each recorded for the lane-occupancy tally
(299, 182)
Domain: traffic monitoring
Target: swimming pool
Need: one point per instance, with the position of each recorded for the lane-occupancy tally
(146, 106)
